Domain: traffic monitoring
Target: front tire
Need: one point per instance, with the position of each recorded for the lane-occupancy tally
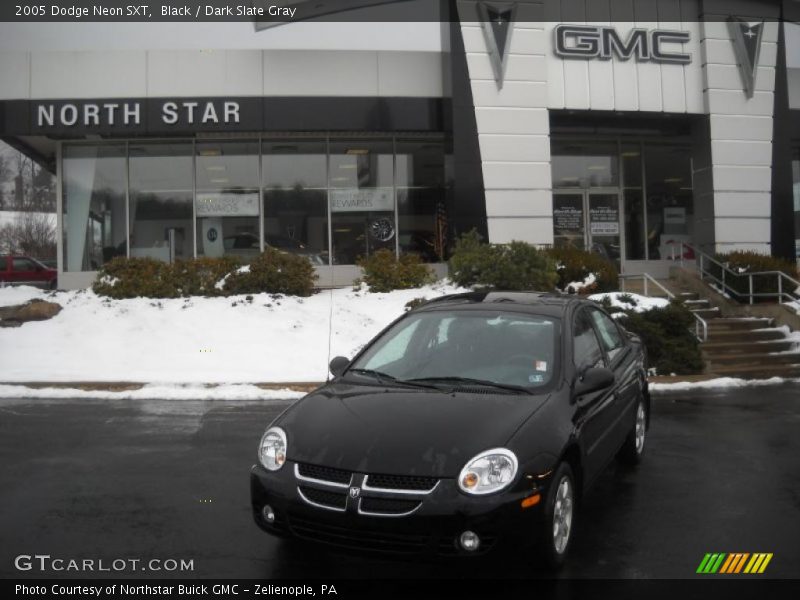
(555, 536)
(632, 450)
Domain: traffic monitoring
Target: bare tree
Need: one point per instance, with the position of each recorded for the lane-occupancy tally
(32, 234)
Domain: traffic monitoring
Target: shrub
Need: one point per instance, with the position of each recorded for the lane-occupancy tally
(134, 277)
(515, 266)
(577, 265)
(470, 260)
(753, 262)
(274, 272)
(665, 332)
(199, 276)
(384, 272)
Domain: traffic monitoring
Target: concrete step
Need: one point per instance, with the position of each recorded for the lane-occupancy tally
(685, 296)
(750, 358)
(736, 347)
(727, 323)
(745, 336)
(759, 371)
(697, 304)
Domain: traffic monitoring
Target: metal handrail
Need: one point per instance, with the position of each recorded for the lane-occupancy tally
(700, 324)
(702, 258)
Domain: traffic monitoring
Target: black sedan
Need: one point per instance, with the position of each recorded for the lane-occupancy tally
(473, 422)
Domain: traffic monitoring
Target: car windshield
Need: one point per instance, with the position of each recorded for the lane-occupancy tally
(502, 348)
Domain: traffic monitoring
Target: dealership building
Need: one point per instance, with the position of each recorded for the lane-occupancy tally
(624, 127)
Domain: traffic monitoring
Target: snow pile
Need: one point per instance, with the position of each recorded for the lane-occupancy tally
(716, 384)
(155, 392)
(629, 301)
(574, 287)
(195, 340)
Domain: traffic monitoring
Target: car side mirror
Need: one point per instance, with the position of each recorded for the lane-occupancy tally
(593, 380)
(338, 365)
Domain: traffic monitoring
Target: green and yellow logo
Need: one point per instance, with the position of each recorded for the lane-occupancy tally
(737, 562)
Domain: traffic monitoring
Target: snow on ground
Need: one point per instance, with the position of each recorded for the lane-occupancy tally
(716, 384)
(195, 340)
(629, 301)
(153, 392)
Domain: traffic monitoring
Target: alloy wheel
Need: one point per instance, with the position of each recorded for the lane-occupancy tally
(562, 515)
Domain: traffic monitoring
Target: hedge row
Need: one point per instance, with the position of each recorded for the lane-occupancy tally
(521, 266)
(744, 263)
(272, 272)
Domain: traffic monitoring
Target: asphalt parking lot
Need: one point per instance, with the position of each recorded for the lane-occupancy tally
(169, 479)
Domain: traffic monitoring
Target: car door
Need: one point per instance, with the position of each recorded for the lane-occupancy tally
(594, 412)
(23, 270)
(5, 261)
(622, 361)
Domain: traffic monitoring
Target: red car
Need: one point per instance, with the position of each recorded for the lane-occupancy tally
(24, 270)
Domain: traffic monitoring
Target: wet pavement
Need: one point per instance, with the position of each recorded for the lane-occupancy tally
(169, 479)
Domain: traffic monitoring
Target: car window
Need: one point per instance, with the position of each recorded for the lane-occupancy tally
(586, 349)
(610, 336)
(502, 347)
(22, 264)
(394, 349)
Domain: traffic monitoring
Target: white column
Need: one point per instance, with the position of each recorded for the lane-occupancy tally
(741, 140)
(513, 127)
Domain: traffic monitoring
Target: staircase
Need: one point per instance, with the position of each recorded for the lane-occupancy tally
(746, 347)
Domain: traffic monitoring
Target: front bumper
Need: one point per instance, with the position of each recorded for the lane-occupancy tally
(432, 528)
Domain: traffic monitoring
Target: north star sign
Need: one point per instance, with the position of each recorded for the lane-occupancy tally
(603, 42)
(122, 113)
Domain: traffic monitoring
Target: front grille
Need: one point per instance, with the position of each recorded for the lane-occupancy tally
(346, 537)
(326, 498)
(402, 482)
(388, 506)
(324, 473)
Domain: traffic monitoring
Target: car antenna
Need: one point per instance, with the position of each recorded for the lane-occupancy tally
(330, 328)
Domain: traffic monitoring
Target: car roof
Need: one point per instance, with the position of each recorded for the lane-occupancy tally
(543, 303)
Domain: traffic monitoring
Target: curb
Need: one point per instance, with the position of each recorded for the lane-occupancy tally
(126, 386)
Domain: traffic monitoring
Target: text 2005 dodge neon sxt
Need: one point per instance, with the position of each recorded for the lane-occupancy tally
(473, 421)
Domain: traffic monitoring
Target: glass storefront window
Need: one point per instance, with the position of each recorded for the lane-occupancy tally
(94, 205)
(670, 207)
(421, 209)
(161, 200)
(362, 199)
(296, 197)
(182, 198)
(227, 199)
(584, 165)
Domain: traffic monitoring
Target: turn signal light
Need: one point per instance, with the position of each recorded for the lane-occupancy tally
(470, 480)
(531, 501)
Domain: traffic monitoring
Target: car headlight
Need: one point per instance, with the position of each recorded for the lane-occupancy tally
(272, 450)
(488, 472)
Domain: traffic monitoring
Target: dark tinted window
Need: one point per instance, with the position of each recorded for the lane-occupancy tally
(610, 337)
(586, 348)
(22, 264)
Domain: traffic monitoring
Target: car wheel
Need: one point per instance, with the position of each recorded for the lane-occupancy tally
(632, 450)
(559, 517)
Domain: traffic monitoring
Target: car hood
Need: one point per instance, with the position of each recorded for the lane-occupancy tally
(401, 431)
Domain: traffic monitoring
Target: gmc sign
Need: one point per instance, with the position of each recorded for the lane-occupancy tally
(603, 42)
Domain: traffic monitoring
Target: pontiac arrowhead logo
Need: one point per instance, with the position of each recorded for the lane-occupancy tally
(497, 20)
(746, 37)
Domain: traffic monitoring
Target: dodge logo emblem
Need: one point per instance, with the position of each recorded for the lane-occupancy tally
(355, 492)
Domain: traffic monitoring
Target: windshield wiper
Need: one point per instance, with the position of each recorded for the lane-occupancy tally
(472, 381)
(384, 378)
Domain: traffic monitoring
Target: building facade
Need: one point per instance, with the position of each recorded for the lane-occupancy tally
(620, 127)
